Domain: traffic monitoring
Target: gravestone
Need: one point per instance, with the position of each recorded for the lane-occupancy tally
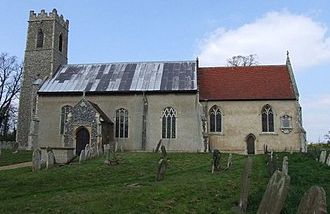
(323, 155)
(87, 152)
(50, 162)
(275, 194)
(158, 145)
(36, 160)
(285, 167)
(328, 160)
(265, 149)
(313, 201)
(162, 165)
(245, 185)
(272, 164)
(82, 156)
(216, 160)
(229, 162)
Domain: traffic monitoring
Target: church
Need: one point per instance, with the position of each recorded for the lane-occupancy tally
(138, 105)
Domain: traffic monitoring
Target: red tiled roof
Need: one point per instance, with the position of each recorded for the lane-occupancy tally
(245, 83)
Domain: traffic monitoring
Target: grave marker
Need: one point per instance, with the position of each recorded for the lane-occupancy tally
(275, 194)
(313, 201)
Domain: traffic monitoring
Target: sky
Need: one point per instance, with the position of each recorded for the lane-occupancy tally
(213, 30)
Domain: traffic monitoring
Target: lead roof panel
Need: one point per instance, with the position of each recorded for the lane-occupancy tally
(139, 76)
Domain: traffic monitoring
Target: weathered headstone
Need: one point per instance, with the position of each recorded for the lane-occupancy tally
(162, 165)
(275, 194)
(50, 162)
(323, 155)
(285, 167)
(36, 160)
(82, 156)
(328, 160)
(216, 160)
(313, 201)
(229, 162)
(87, 152)
(272, 164)
(245, 185)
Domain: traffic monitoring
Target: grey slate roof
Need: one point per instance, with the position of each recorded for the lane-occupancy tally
(121, 77)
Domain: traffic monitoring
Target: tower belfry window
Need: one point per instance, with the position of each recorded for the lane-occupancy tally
(60, 43)
(40, 39)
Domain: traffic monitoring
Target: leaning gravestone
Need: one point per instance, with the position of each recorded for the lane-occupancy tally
(50, 162)
(36, 160)
(285, 165)
(313, 201)
(158, 145)
(275, 194)
(323, 155)
(82, 156)
(162, 165)
(216, 160)
(245, 184)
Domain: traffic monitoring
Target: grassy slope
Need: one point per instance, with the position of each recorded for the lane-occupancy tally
(130, 187)
(7, 158)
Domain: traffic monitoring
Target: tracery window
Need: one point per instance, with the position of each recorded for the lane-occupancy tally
(169, 123)
(267, 119)
(40, 39)
(215, 119)
(121, 123)
(64, 116)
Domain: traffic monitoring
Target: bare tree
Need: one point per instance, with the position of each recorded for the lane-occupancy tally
(239, 60)
(10, 78)
(327, 137)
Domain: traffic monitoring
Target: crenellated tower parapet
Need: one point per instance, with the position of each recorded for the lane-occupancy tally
(43, 15)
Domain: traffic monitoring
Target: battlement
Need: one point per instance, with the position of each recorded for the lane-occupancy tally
(49, 16)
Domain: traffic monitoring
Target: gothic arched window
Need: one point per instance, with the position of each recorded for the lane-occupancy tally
(121, 123)
(215, 119)
(169, 123)
(267, 119)
(40, 39)
(60, 43)
(64, 116)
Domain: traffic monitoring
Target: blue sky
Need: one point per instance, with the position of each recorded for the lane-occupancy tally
(214, 30)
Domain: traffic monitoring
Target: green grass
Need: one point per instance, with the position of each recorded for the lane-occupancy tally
(7, 157)
(130, 187)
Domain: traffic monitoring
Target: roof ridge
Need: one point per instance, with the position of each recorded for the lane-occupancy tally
(254, 66)
(137, 62)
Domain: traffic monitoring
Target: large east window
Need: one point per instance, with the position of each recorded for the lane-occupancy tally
(169, 123)
(267, 119)
(215, 119)
(121, 123)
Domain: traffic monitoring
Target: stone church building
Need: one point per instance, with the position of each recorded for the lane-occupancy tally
(138, 104)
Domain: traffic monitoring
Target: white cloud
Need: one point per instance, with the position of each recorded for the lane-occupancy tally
(270, 37)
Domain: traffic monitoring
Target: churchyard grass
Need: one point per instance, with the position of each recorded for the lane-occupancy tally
(7, 157)
(130, 187)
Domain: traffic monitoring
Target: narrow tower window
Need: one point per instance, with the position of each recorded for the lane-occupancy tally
(267, 119)
(169, 123)
(40, 39)
(60, 43)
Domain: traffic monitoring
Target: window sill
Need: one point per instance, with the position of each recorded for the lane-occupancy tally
(216, 133)
(268, 133)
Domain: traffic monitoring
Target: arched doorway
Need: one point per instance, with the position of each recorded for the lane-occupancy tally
(82, 139)
(250, 139)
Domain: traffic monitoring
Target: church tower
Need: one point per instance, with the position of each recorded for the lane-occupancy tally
(46, 50)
